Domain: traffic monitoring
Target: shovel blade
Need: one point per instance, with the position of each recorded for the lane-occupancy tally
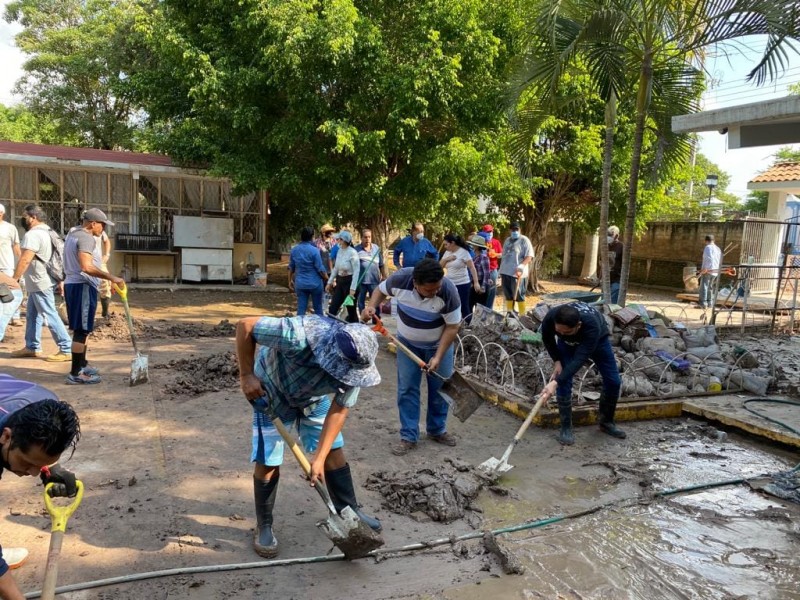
(461, 396)
(139, 370)
(350, 534)
(494, 467)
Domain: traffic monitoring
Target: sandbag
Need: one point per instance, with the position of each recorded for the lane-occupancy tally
(700, 337)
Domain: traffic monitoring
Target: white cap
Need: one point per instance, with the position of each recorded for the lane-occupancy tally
(2, 209)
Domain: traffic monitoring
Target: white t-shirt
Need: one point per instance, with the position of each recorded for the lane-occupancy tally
(456, 270)
(36, 277)
(9, 237)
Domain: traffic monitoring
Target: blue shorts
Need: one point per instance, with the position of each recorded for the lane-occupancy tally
(268, 444)
(81, 299)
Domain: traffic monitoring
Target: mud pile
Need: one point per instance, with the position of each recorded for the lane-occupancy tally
(444, 493)
(203, 374)
(115, 328)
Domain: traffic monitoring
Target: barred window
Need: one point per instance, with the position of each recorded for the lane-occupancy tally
(97, 190)
(24, 188)
(5, 183)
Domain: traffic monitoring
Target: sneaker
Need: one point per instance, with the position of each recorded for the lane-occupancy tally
(87, 370)
(15, 557)
(443, 438)
(403, 448)
(82, 378)
(59, 356)
(26, 353)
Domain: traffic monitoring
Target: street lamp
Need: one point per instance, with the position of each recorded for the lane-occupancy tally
(711, 181)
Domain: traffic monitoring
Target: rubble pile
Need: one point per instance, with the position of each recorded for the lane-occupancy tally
(115, 328)
(202, 374)
(657, 358)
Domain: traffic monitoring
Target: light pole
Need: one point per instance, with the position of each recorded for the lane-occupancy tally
(711, 181)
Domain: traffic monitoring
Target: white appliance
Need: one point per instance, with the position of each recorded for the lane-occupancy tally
(206, 245)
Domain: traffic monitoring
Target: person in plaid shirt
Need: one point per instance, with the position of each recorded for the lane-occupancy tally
(481, 260)
(307, 371)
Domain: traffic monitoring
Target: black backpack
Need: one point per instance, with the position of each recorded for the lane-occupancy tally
(55, 266)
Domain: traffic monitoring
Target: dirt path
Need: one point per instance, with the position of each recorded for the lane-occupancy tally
(169, 484)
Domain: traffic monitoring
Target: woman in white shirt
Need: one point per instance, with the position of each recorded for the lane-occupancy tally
(344, 276)
(460, 269)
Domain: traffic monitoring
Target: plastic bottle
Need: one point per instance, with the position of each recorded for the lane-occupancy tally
(714, 384)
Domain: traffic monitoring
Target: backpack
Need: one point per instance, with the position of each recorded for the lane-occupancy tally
(55, 266)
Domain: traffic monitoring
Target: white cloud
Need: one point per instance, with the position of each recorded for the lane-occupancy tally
(11, 59)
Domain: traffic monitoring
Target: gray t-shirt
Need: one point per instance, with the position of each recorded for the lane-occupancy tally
(38, 241)
(514, 252)
(9, 237)
(79, 241)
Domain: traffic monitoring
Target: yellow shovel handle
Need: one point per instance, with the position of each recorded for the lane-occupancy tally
(121, 290)
(59, 515)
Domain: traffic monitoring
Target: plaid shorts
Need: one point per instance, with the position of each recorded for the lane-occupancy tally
(268, 445)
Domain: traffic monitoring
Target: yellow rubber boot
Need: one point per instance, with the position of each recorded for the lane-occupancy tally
(509, 306)
(521, 307)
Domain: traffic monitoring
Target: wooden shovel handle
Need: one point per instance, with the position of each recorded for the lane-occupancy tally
(51, 571)
(380, 328)
(534, 411)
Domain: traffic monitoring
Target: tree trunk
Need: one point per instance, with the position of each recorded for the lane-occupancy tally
(642, 103)
(605, 199)
(589, 268)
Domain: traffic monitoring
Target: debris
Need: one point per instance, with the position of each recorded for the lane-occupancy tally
(203, 374)
(509, 562)
(114, 328)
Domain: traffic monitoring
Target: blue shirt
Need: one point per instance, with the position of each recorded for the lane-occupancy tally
(412, 252)
(287, 368)
(373, 267)
(305, 262)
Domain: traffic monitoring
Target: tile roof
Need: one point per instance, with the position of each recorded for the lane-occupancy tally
(85, 154)
(780, 172)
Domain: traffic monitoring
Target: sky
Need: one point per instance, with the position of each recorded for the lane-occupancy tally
(729, 88)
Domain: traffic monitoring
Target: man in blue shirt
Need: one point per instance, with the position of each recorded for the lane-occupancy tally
(413, 248)
(307, 273)
(373, 271)
(307, 371)
(35, 428)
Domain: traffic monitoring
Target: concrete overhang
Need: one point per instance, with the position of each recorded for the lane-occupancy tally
(764, 123)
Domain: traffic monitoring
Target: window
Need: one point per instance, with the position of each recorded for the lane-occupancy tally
(23, 183)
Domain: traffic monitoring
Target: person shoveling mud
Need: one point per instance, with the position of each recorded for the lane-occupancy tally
(307, 372)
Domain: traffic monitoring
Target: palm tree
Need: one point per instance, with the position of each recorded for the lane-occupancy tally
(640, 46)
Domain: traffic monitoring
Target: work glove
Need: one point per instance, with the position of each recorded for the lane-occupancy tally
(64, 480)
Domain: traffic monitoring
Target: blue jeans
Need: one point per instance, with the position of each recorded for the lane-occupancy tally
(463, 295)
(364, 290)
(409, 381)
(615, 292)
(491, 293)
(706, 289)
(303, 294)
(8, 310)
(42, 305)
(604, 360)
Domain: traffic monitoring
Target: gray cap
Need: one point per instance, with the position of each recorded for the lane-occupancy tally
(95, 214)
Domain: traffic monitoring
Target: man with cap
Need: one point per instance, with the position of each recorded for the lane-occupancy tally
(615, 248)
(413, 248)
(494, 250)
(582, 334)
(35, 429)
(514, 267)
(9, 254)
(83, 265)
(307, 371)
(37, 248)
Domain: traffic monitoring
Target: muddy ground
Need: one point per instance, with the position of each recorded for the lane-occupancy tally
(168, 484)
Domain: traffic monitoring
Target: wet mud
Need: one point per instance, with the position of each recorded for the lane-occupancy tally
(200, 375)
(115, 328)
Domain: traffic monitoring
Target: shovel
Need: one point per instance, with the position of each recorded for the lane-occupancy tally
(139, 367)
(494, 468)
(59, 515)
(456, 391)
(347, 532)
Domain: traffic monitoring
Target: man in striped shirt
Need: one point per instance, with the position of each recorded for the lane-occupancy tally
(428, 318)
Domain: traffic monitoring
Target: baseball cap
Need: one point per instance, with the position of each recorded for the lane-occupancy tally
(488, 228)
(515, 225)
(95, 214)
(344, 235)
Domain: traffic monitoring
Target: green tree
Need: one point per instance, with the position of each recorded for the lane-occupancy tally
(75, 73)
(660, 43)
(381, 112)
(18, 124)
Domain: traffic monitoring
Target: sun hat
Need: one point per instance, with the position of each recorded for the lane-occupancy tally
(346, 351)
(326, 228)
(477, 241)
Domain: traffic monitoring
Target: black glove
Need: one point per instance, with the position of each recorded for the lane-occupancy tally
(64, 480)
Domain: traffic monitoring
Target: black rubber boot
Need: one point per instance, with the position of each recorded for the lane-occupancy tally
(566, 436)
(340, 487)
(606, 410)
(264, 542)
(104, 302)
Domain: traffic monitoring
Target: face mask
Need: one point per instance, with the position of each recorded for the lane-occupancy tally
(489, 236)
(419, 236)
(610, 238)
(515, 235)
(25, 224)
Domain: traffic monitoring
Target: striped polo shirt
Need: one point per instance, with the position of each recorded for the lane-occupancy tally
(421, 321)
